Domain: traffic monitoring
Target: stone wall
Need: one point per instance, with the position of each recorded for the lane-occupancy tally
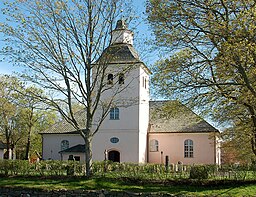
(21, 192)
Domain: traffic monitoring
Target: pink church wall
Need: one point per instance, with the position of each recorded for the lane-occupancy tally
(172, 145)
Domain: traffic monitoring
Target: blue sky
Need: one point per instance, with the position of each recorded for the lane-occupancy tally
(143, 31)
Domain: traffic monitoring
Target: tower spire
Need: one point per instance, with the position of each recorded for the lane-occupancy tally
(121, 34)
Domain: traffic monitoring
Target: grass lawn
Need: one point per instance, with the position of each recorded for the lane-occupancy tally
(78, 183)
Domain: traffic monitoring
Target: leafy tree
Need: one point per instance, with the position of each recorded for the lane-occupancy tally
(235, 147)
(32, 117)
(32, 120)
(59, 42)
(22, 116)
(9, 112)
(211, 63)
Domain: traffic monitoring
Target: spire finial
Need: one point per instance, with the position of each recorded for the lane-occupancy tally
(121, 24)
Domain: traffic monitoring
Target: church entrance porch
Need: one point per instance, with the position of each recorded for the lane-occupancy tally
(114, 156)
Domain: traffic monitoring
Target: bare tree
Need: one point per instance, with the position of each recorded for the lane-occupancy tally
(60, 44)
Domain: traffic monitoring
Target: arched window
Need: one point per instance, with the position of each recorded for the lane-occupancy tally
(188, 149)
(144, 82)
(114, 113)
(64, 145)
(154, 145)
(121, 79)
(110, 79)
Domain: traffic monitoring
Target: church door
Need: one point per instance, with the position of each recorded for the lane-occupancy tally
(114, 156)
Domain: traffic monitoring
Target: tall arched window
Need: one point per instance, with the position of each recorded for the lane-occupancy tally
(188, 149)
(110, 79)
(154, 145)
(114, 113)
(64, 144)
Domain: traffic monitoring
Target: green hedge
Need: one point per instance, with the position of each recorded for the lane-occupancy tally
(199, 172)
(128, 170)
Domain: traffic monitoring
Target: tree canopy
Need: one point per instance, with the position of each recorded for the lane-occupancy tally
(210, 57)
(22, 118)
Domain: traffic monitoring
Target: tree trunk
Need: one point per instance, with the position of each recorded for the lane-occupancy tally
(27, 148)
(8, 144)
(253, 140)
(28, 145)
(253, 137)
(13, 151)
(88, 154)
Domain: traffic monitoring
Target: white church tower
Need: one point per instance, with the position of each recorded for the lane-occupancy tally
(123, 135)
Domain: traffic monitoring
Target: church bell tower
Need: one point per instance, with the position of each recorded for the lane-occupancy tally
(123, 134)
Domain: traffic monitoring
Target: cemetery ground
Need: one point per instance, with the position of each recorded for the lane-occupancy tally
(180, 180)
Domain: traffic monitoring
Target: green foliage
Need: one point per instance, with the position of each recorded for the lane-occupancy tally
(51, 168)
(22, 117)
(16, 167)
(129, 172)
(198, 172)
(211, 63)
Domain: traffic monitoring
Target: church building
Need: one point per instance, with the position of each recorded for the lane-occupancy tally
(136, 130)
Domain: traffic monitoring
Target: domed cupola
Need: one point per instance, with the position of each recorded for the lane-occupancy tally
(121, 34)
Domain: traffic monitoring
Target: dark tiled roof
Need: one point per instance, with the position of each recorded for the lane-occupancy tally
(172, 116)
(119, 53)
(80, 148)
(165, 116)
(63, 127)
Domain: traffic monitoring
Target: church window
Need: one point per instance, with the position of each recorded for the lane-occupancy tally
(121, 79)
(114, 140)
(154, 145)
(188, 149)
(144, 82)
(110, 79)
(64, 144)
(114, 113)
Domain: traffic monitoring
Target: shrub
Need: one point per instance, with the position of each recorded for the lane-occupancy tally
(198, 172)
(131, 171)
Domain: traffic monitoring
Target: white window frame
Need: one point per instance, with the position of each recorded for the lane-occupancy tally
(188, 148)
(114, 113)
(154, 145)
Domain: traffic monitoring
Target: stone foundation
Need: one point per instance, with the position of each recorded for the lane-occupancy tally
(21, 192)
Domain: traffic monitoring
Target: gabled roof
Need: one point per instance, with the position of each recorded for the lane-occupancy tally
(165, 116)
(172, 116)
(63, 127)
(80, 148)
